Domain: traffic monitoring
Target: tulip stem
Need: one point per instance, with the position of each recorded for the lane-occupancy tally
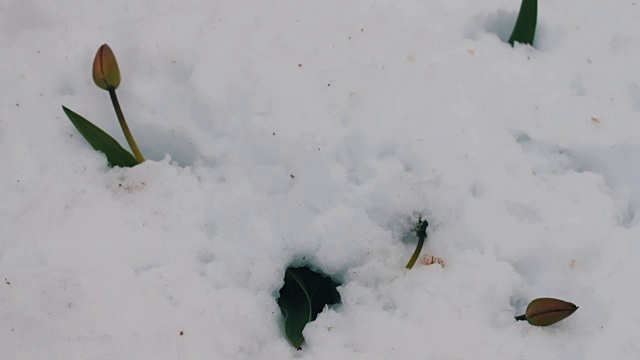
(421, 232)
(522, 317)
(125, 129)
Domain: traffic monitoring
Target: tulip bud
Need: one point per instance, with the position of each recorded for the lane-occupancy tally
(105, 69)
(547, 311)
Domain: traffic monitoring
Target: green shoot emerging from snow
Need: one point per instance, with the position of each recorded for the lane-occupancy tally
(525, 29)
(420, 229)
(303, 296)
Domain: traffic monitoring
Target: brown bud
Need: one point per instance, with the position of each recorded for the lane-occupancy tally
(106, 73)
(548, 311)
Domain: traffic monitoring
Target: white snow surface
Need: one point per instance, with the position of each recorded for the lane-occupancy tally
(315, 133)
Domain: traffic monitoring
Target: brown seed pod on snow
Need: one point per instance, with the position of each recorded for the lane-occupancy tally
(547, 311)
(429, 259)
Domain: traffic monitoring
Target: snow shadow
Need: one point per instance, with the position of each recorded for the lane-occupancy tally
(617, 165)
(174, 143)
(500, 23)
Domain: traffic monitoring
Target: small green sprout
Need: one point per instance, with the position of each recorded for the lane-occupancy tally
(420, 229)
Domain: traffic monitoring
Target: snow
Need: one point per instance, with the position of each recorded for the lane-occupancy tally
(315, 133)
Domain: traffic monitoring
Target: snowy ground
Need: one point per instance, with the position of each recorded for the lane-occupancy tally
(316, 132)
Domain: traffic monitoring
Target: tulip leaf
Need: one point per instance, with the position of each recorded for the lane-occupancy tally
(525, 28)
(101, 141)
(303, 296)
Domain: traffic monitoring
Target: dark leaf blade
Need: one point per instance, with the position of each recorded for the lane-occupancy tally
(326, 294)
(304, 295)
(101, 141)
(295, 305)
(525, 29)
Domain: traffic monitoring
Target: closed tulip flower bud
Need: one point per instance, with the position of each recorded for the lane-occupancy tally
(106, 73)
(547, 311)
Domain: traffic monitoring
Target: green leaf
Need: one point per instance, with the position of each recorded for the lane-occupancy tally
(101, 141)
(525, 29)
(303, 296)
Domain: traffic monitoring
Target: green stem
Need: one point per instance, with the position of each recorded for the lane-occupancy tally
(521, 317)
(125, 129)
(416, 253)
(421, 233)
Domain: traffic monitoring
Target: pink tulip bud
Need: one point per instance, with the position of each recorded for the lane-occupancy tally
(106, 73)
